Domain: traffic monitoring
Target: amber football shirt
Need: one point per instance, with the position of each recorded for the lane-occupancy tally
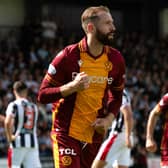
(75, 113)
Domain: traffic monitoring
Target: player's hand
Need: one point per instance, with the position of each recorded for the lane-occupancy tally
(100, 125)
(12, 138)
(151, 145)
(128, 142)
(81, 81)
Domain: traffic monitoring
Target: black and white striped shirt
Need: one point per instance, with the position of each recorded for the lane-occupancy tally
(118, 123)
(25, 116)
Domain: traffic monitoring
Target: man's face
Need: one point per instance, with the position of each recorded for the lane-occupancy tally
(105, 29)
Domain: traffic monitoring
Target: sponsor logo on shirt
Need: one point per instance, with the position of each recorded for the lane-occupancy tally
(67, 151)
(96, 79)
(51, 70)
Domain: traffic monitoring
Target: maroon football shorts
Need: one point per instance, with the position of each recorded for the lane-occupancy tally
(164, 157)
(71, 153)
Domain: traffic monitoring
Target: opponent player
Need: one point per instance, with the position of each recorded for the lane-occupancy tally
(115, 150)
(160, 109)
(20, 126)
(77, 83)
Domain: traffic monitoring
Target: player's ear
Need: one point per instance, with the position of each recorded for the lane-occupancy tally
(90, 27)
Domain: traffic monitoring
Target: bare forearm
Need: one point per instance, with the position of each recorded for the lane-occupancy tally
(68, 89)
(128, 119)
(8, 132)
(128, 127)
(151, 124)
(150, 127)
(50, 94)
(9, 123)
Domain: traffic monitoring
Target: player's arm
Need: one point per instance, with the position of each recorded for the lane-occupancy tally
(9, 120)
(114, 100)
(101, 125)
(53, 88)
(128, 122)
(117, 86)
(80, 83)
(151, 123)
(49, 93)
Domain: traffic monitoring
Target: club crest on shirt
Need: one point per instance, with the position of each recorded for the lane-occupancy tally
(51, 70)
(80, 62)
(108, 66)
(66, 160)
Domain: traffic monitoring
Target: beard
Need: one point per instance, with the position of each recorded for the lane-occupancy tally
(105, 39)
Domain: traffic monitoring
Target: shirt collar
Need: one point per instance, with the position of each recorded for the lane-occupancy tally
(83, 45)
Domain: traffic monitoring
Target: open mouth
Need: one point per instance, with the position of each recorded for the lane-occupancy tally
(111, 35)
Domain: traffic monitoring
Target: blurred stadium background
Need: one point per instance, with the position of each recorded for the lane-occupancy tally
(32, 32)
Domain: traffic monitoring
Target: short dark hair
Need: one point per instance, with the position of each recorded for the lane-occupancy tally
(19, 86)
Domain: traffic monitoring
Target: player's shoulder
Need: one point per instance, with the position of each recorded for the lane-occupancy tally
(164, 99)
(72, 48)
(125, 93)
(11, 108)
(126, 98)
(166, 95)
(28, 102)
(11, 104)
(19, 101)
(67, 52)
(115, 54)
(113, 50)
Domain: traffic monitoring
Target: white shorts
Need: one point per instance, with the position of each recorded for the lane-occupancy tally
(29, 157)
(114, 151)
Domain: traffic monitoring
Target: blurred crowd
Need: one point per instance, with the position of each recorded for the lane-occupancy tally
(26, 53)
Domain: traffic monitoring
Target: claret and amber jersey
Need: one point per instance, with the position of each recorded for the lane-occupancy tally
(75, 114)
(163, 104)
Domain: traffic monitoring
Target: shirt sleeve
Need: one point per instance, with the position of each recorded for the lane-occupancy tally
(10, 110)
(117, 87)
(126, 101)
(164, 102)
(49, 91)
